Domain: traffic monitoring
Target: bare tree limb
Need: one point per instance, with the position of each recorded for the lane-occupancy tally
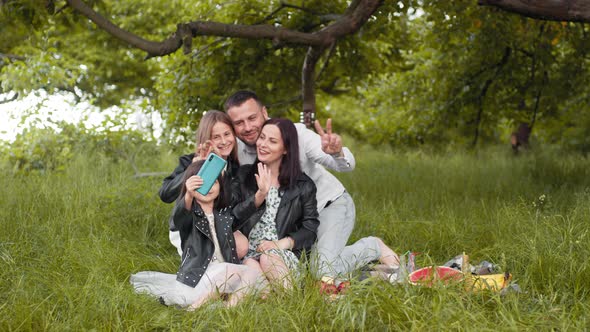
(484, 91)
(61, 9)
(538, 99)
(307, 10)
(200, 28)
(12, 57)
(77, 97)
(325, 65)
(208, 46)
(187, 31)
(332, 90)
(308, 84)
(525, 52)
(324, 18)
(352, 7)
(50, 6)
(152, 48)
(355, 16)
(272, 14)
(551, 10)
(531, 80)
(8, 100)
(349, 23)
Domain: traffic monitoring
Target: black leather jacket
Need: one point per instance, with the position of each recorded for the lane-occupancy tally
(172, 184)
(297, 215)
(195, 238)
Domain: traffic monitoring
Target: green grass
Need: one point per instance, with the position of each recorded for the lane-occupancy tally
(69, 241)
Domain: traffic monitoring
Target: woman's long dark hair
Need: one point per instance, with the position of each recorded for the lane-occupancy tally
(290, 168)
(222, 199)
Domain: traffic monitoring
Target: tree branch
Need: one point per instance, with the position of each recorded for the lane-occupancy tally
(347, 24)
(12, 57)
(8, 100)
(355, 16)
(77, 97)
(262, 31)
(187, 31)
(551, 10)
(325, 65)
(352, 7)
(168, 46)
(308, 84)
(324, 18)
(538, 99)
(208, 46)
(303, 9)
(484, 91)
(61, 9)
(272, 14)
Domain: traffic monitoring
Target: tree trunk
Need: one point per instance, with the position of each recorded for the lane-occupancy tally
(308, 85)
(551, 10)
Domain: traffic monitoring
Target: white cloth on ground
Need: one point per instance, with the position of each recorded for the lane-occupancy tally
(219, 277)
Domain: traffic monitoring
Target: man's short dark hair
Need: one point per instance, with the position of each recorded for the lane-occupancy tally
(240, 97)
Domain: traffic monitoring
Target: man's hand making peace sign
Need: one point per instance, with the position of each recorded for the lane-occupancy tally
(331, 143)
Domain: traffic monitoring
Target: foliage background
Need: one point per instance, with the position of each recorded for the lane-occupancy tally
(419, 73)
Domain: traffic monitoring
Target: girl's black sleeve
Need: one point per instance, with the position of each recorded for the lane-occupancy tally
(172, 184)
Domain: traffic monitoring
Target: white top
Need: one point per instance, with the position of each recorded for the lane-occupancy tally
(217, 255)
(314, 162)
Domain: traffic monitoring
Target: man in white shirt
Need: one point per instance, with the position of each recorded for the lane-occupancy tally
(331, 256)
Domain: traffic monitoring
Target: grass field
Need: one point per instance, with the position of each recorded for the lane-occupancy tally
(69, 241)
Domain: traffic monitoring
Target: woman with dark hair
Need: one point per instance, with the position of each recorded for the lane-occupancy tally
(275, 203)
(210, 265)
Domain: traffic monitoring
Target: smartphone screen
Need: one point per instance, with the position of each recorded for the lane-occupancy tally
(210, 171)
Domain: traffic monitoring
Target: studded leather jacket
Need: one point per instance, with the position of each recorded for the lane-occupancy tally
(173, 183)
(196, 242)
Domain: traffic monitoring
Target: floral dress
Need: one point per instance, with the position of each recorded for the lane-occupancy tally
(266, 229)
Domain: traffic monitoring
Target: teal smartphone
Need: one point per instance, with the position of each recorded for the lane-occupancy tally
(210, 171)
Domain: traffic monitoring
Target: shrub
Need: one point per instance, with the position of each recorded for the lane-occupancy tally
(51, 149)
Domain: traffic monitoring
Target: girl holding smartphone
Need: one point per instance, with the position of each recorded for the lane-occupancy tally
(214, 134)
(210, 263)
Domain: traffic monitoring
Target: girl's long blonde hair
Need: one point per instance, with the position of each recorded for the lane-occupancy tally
(209, 119)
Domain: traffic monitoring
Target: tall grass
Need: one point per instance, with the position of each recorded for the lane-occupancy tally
(69, 241)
